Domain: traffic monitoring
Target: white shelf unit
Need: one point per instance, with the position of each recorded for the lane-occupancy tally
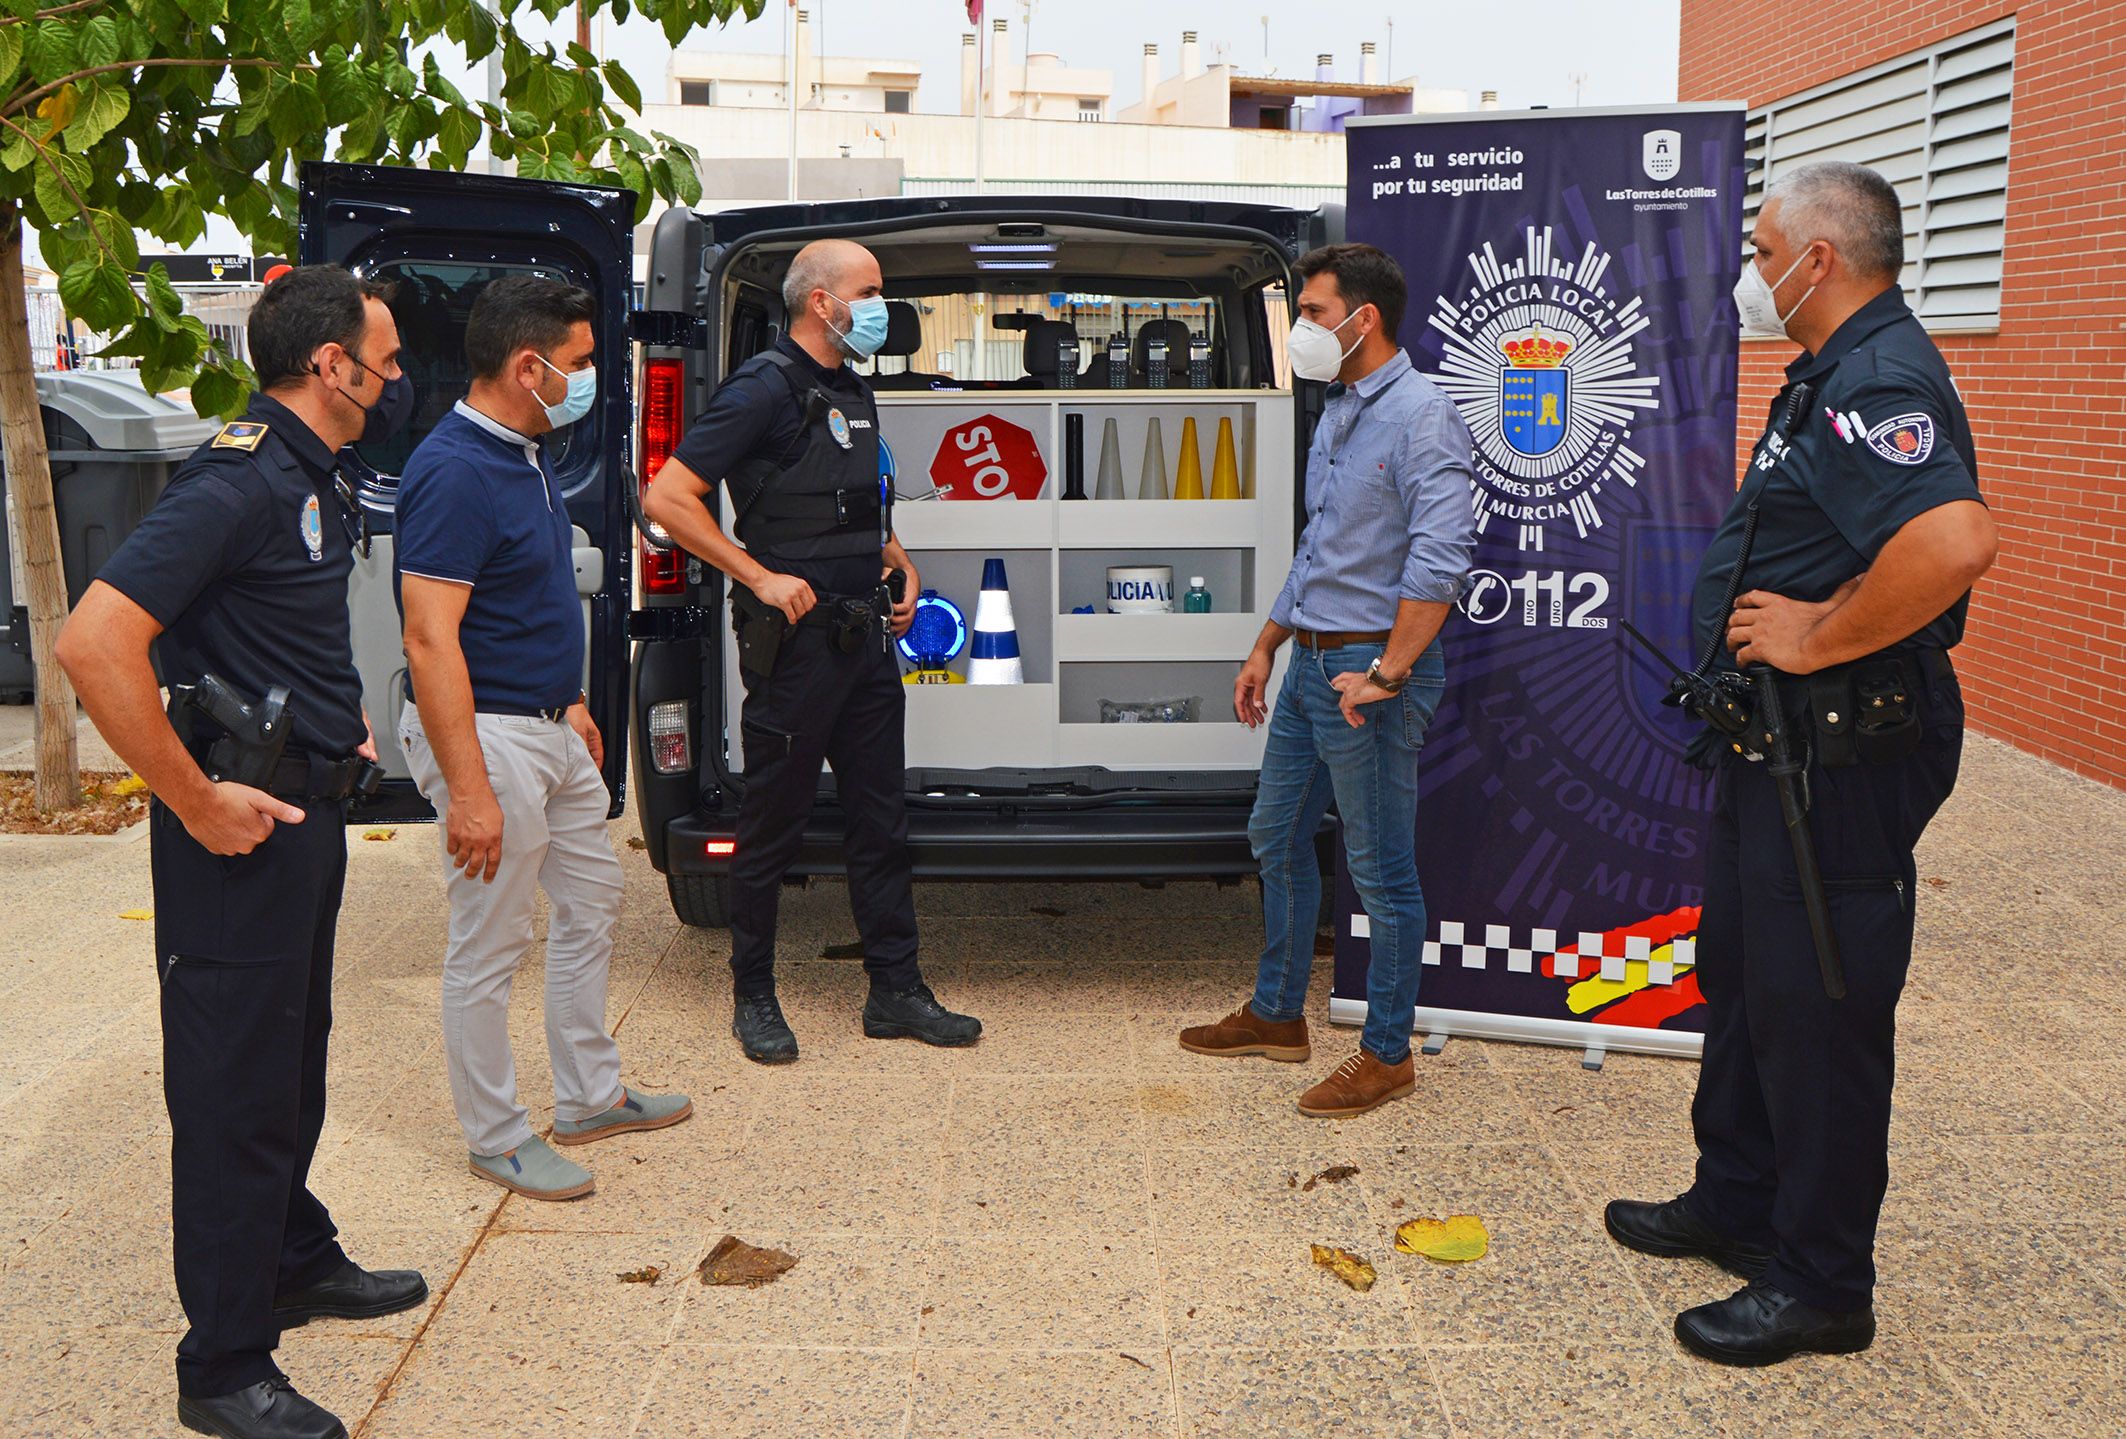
(1056, 552)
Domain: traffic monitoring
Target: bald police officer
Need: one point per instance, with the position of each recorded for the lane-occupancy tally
(795, 432)
(241, 572)
(1851, 549)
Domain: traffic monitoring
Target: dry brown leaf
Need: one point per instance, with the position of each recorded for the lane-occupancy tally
(636, 841)
(1456, 1239)
(1334, 1174)
(733, 1261)
(647, 1274)
(1345, 1266)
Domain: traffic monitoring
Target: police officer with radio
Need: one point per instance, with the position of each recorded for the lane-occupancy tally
(240, 572)
(1843, 569)
(819, 582)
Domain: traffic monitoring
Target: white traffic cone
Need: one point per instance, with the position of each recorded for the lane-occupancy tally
(993, 653)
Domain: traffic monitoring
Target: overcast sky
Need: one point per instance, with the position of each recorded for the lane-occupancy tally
(1527, 50)
(1533, 52)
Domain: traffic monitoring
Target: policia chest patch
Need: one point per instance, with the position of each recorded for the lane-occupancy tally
(239, 435)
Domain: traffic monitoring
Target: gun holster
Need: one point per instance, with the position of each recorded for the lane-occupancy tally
(236, 739)
(761, 629)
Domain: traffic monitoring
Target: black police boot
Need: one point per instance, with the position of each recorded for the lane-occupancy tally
(762, 1031)
(1672, 1231)
(916, 1014)
(350, 1292)
(272, 1410)
(1762, 1325)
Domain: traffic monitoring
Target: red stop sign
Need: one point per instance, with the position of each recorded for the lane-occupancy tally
(988, 458)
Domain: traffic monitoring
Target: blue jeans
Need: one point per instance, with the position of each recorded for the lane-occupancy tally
(1314, 755)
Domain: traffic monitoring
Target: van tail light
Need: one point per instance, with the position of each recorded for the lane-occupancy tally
(721, 848)
(671, 748)
(664, 572)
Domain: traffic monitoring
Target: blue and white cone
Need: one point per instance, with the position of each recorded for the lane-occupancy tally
(993, 655)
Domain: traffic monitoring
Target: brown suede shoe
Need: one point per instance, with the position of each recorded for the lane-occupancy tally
(1360, 1083)
(1242, 1033)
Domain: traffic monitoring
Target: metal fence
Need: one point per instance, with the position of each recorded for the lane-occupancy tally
(60, 343)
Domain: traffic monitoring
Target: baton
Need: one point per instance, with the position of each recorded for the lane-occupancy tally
(1786, 773)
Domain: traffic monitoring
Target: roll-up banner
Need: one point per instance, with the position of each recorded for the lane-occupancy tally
(1570, 275)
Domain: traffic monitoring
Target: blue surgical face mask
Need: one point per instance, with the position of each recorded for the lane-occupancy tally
(866, 334)
(582, 394)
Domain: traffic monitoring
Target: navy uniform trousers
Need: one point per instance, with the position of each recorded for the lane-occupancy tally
(244, 950)
(1792, 1114)
(848, 709)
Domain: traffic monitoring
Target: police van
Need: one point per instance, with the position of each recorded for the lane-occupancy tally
(1088, 390)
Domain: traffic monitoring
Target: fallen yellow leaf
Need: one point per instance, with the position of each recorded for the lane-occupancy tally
(1455, 1240)
(132, 784)
(136, 914)
(1345, 1266)
(380, 834)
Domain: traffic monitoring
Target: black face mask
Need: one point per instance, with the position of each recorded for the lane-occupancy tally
(383, 420)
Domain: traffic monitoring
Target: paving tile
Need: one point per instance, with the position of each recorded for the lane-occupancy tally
(976, 1394)
(2062, 1389)
(1633, 1096)
(2052, 1175)
(1255, 1291)
(529, 1385)
(847, 1291)
(1405, 1181)
(757, 1393)
(1236, 1107)
(1064, 988)
(1199, 1193)
(87, 1386)
(1987, 1097)
(868, 1186)
(547, 1289)
(992, 1110)
(345, 1373)
(383, 1177)
(1042, 1292)
(2007, 1278)
(1043, 1187)
(1652, 1168)
(664, 1181)
(1579, 1390)
(1890, 1389)
(1028, 1041)
(1543, 1281)
(98, 1277)
(786, 1100)
(1273, 1393)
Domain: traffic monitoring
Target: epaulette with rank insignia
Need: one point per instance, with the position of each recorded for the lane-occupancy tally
(239, 435)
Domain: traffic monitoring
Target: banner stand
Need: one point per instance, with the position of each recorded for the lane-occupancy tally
(1570, 274)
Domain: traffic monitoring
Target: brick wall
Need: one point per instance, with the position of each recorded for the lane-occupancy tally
(2044, 657)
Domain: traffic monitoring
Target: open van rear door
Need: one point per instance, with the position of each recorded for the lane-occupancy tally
(441, 238)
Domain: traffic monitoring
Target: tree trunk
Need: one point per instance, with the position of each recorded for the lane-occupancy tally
(35, 524)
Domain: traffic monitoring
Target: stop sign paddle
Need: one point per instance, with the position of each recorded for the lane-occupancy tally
(989, 458)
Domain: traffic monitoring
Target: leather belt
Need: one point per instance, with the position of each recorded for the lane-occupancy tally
(1337, 639)
(304, 778)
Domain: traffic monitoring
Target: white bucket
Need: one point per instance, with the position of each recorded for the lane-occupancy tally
(1140, 589)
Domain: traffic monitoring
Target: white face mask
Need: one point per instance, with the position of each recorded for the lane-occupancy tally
(1757, 303)
(1313, 350)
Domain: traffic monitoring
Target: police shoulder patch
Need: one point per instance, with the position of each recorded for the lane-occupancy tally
(240, 435)
(1905, 440)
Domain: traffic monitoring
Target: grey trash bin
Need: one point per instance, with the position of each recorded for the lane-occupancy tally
(112, 447)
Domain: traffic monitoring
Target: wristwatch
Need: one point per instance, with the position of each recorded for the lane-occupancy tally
(1380, 681)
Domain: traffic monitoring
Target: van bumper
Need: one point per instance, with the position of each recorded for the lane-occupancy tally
(1110, 842)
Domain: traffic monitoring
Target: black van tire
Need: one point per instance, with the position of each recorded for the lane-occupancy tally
(701, 900)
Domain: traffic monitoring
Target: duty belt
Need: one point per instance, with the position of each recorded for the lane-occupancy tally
(305, 778)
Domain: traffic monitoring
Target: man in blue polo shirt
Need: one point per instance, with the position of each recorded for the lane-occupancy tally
(501, 742)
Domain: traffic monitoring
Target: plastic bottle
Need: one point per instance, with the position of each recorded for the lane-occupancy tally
(1198, 599)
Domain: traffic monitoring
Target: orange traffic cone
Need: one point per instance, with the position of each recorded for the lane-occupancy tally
(1225, 471)
(1188, 476)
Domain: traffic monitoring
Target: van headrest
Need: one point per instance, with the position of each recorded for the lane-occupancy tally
(1176, 333)
(1045, 340)
(904, 329)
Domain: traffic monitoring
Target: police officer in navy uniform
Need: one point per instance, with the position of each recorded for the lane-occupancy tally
(794, 431)
(240, 571)
(1849, 552)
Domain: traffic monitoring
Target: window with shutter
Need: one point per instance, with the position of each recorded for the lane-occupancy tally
(1935, 124)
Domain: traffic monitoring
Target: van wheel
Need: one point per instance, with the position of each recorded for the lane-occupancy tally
(701, 900)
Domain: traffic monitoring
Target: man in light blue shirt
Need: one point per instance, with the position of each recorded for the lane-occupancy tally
(1390, 531)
